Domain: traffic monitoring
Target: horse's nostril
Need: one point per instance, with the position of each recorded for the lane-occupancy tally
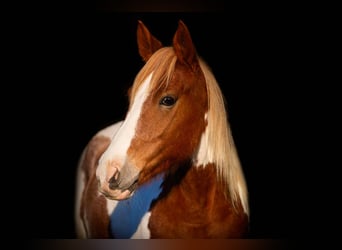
(114, 180)
(113, 183)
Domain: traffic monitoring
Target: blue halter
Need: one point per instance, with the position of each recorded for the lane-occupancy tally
(128, 213)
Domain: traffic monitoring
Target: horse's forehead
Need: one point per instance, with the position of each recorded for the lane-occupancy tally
(180, 82)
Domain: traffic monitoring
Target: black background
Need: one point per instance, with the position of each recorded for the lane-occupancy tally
(80, 65)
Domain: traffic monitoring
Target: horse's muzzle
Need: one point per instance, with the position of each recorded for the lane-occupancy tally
(120, 185)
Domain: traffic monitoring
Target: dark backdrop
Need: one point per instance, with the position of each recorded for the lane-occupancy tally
(84, 63)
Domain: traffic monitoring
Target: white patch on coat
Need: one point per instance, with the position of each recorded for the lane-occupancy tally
(111, 205)
(201, 158)
(143, 231)
(111, 130)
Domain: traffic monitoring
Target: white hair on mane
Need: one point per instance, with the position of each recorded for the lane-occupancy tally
(221, 147)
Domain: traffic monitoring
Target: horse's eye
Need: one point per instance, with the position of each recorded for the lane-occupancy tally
(167, 101)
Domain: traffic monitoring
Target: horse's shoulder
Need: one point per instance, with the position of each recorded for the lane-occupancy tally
(109, 131)
(100, 141)
(96, 146)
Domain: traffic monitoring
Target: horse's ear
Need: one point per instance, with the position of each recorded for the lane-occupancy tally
(184, 48)
(147, 43)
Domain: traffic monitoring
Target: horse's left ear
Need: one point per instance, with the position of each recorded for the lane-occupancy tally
(184, 48)
(147, 43)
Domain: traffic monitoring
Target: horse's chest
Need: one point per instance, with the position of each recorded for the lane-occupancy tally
(175, 217)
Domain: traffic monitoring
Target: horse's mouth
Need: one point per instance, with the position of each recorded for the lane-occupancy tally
(132, 187)
(119, 193)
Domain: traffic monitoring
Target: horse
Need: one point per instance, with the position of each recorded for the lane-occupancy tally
(170, 169)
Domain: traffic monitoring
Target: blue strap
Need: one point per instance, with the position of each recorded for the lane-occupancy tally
(128, 213)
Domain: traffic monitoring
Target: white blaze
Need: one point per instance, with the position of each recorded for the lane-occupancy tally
(117, 150)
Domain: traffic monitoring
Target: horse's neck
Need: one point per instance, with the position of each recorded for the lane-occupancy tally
(193, 182)
(198, 207)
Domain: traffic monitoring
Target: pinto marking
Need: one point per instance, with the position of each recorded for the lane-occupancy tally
(84, 171)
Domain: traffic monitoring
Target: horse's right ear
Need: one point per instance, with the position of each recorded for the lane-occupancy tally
(147, 43)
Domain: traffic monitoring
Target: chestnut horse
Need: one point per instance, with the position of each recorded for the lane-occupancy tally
(170, 169)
